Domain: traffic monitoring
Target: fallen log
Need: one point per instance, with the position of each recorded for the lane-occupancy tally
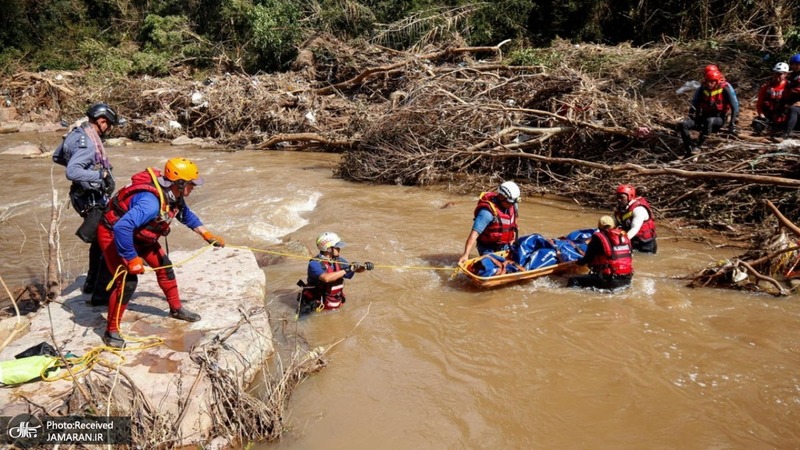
(782, 219)
(303, 137)
(635, 169)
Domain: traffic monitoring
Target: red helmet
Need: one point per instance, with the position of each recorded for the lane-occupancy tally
(628, 190)
(713, 75)
(711, 68)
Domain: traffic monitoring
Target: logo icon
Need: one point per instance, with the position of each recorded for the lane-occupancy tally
(24, 426)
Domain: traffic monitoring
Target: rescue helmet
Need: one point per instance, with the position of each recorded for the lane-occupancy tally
(181, 169)
(628, 190)
(510, 191)
(795, 59)
(711, 68)
(606, 222)
(99, 110)
(327, 240)
(781, 67)
(713, 75)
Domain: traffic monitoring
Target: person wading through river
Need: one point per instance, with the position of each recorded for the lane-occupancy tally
(494, 227)
(324, 286)
(134, 221)
(90, 172)
(635, 216)
(609, 257)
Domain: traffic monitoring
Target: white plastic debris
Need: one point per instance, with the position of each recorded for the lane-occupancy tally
(197, 98)
(59, 77)
(310, 118)
(175, 125)
(688, 86)
(739, 274)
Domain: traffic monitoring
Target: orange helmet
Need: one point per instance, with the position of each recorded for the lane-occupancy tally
(181, 169)
(627, 189)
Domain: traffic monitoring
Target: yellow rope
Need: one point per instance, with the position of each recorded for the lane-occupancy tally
(85, 363)
(305, 257)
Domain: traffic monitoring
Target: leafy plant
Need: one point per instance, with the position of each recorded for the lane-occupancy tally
(275, 32)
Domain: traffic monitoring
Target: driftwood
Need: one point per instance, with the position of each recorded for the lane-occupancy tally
(786, 223)
(444, 54)
(636, 169)
(781, 258)
(312, 138)
(53, 278)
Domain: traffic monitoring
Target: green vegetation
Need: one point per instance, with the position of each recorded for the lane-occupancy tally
(157, 37)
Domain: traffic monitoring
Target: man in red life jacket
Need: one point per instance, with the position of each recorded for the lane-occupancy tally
(324, 287)
(136, 217)
(771, 115)
(608, 255)
(494, 227)
(710, 107)
(635, 216)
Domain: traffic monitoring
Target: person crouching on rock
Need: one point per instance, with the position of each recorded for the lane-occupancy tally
(608, 255)
(136, 217)
(324, 287)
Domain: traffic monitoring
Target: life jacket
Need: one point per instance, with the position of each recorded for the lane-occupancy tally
(648, 230)
(144, 181)
(771, 100)
(325, 295)
(503, 229)
(616, 258)
(713, 102)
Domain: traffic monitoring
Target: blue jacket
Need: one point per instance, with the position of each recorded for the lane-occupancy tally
(144, 207)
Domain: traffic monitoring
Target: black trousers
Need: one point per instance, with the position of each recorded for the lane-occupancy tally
(98, 276)
(706, 126)
(650, 246)
(791, 120)
(596, 281)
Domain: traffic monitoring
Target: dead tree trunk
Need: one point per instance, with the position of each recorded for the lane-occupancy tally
(53, 278)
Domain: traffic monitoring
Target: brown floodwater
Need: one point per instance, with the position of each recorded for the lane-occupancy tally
(425, 361)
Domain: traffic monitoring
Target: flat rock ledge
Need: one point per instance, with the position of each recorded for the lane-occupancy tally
(225, 286)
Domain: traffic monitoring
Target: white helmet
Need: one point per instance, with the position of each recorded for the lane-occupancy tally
(327, 240)
(510, 191)
(781, 67)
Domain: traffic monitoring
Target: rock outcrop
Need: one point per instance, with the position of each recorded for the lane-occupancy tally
(225, 286)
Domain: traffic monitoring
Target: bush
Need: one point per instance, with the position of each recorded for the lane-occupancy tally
(151, 63)
(10, 61)
(275, 33)
(164, 33)
(346, 18)
(546, 57)
(103, 57)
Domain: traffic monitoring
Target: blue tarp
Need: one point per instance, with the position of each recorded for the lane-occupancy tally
(534, 251)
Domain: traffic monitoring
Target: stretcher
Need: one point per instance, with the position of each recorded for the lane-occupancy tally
(506, 278)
